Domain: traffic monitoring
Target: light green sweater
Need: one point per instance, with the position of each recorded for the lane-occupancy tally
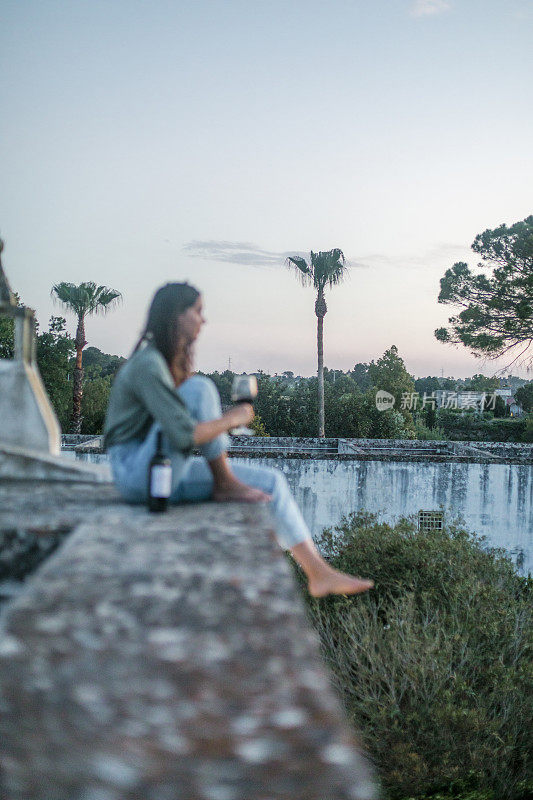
(144, 392)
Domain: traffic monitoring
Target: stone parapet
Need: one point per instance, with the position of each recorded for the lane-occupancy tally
(69, 441)
(161, 657)
(24, 464)
(277, 447)
(28, 419)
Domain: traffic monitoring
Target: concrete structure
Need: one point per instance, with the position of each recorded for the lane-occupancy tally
(28, 420)
(488, 486)
(514, 408)
(30, 435)
(159, 657)
(21, 463)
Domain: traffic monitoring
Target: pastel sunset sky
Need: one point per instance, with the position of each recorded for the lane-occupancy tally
(143, 142)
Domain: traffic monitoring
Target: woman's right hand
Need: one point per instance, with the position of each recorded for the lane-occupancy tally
(241, 414)
(234, 418)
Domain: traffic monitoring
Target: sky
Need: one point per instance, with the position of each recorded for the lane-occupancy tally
(149, 141)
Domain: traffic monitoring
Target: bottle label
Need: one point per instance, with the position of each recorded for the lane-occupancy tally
(161, 481)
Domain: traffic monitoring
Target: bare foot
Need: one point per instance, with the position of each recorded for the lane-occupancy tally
(239, 492)
(330, 581)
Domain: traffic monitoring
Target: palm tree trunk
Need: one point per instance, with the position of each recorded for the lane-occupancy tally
(75, 420)
(320, 311)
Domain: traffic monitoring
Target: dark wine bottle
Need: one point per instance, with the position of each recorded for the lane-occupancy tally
(159, 478)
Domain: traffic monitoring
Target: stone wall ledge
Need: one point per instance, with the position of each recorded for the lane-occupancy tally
(157, 657)
(374, 456)
(22, 463)
(69, 441)
(361, 450)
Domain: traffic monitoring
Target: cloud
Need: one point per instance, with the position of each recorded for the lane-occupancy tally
(245, 253)
(426, 8)
(436, 255)
(433, 258)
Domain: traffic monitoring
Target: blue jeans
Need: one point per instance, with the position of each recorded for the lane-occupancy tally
(192, 480)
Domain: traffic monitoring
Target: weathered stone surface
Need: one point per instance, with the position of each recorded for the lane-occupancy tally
(48, 505)
(23, 464)
(281, 447)
(71, 440)
(161, 657)
(23, 549)
(28, 419)
(494, 500)
(486, 485)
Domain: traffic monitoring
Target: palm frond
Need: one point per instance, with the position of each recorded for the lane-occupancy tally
(302, 269)
(329, 268)
(87, 298)
(105, 299)
(70, 296)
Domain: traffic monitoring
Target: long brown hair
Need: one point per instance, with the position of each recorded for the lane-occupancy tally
(162, 327)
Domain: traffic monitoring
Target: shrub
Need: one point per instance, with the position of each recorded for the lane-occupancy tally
(257, 426)
(434, 664)
(527, 435)
(422, 431)
(471, 427)
(96, 390)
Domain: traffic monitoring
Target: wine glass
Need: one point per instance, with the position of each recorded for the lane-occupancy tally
(243, 390)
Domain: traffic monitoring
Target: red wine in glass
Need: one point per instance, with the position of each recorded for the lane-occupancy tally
(243, 390)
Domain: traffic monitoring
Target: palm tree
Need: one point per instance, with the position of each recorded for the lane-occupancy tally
(83, 300)
(324, 268)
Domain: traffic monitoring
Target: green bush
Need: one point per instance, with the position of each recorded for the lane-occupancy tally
(434, 664)
(486, 428)
(258, 428)
(96, 390)
(423, 432)
(527, 435)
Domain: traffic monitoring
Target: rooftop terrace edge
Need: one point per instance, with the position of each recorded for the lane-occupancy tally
(341, 449)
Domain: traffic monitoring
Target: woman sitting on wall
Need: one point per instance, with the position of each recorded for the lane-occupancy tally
(156, 391)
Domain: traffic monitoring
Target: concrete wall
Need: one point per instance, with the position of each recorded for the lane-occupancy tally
(494, 500)
(28, 419)
(487, 485)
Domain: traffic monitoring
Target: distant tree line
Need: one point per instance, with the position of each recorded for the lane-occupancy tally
(495, 319)
(287, 404)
